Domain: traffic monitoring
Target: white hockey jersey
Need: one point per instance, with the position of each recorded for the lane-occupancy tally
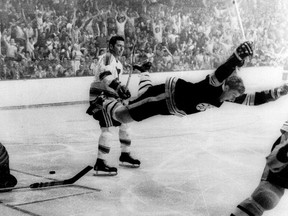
(107, 69)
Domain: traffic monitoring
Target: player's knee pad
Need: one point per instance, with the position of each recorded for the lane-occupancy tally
(121, 114)
(267, 195)
(124, 135)
(124, 131)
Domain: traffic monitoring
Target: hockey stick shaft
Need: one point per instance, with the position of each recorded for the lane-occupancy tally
(131, 69)
(129, 77)
(53, 183)
(239, 19)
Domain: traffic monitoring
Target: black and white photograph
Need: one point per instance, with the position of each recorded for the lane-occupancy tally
(143, 107)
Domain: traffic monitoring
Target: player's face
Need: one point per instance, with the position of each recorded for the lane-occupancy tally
(230, 94)
(118, 48)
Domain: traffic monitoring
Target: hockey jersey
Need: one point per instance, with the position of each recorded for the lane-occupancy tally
(197, 97)
(107, 69)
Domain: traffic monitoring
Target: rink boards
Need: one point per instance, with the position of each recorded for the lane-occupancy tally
(19, 93)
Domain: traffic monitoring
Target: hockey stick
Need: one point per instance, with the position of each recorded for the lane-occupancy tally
(132, 60)
(239, 19)
(53, 183)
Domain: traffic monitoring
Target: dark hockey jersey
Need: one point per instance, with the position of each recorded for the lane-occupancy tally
(197, 97)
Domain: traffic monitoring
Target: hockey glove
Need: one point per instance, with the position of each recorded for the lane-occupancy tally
(7, 181)
(279, 91)
(284, 127)
(244, 50)
(144, 67)
(282, 154)
(96, 105)
(122, 92)
(283, 90)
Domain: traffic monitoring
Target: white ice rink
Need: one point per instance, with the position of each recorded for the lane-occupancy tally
(199, 165)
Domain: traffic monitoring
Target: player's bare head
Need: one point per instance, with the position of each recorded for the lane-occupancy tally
(235, 83)
(116, 45)
(233, 88)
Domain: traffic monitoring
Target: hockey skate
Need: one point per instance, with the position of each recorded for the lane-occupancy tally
(96, 105)
(102, 169)
(128, 161)
(144, 67)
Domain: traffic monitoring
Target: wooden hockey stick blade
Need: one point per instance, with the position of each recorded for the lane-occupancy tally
(63, 182)
(51, 184)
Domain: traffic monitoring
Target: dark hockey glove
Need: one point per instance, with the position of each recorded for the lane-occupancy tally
(122, 92)
(96, 105)
(283, 90)
(144, 67)
(282, 154)
(244, 50)
(279, 91)
(7, 181)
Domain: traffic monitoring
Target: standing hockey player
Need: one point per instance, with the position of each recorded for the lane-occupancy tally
(273, 183)
(179, 97)
(6, 179)
(107, 84)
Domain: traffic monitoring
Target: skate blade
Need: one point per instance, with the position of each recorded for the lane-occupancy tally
(101, 173)
(128, 165)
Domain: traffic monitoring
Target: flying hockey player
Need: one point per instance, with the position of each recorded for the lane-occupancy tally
(273, 183)
(6, 179)
(179, 97)
(108, 71)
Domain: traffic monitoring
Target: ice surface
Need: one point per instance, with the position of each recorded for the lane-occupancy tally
(199, 165)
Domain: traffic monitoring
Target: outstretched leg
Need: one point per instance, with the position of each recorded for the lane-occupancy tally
(235, 60)
(264, 198)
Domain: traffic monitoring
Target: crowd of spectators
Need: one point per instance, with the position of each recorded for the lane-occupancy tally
(64, 38)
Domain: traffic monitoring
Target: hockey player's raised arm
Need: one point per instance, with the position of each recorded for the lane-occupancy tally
(262, 97)
(236, 59)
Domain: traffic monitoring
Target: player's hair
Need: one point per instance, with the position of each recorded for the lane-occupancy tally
(113, 40)
(236, 83)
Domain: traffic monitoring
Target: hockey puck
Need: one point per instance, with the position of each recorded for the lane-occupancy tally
(52, 172)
